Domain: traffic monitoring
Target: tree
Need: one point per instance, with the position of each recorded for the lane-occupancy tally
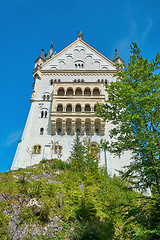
(77, 154)
(133, 107)
(84, 156)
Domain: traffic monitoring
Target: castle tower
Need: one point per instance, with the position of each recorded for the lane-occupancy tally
(66, 89)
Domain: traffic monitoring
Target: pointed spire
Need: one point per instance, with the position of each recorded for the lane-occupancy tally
(116, 55)
(42, 54)
(50, 53)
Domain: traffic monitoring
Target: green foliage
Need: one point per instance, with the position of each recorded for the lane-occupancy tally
(133, 107)
(76, 158)
(89, 204)
(83, 156)
(59, 164)
(86, 211)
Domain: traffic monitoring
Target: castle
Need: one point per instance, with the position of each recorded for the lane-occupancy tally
(67, 86)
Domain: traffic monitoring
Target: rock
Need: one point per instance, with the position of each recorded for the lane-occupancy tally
(37, 209)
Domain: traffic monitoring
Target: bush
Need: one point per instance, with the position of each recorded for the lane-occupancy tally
(59, 164)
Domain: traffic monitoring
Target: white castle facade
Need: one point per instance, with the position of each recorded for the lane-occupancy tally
(67, 87)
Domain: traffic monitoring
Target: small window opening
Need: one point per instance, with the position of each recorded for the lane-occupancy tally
(47, 97)
(45, 114)
(51, 82)
(42, 114)
(44, 97)
(41, 131)
(60, 150)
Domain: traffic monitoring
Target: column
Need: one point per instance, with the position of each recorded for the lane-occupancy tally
(63, 127)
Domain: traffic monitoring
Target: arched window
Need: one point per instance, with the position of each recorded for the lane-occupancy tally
(98, 80)
(59, 80)
(47, 97)
(44, 97)
(87, 108)
(78, 92)
(41, 131)
(60, 92)
(36, 149)
(69, 108)
(96, 92)
(95, 108)
(58, 150)
(45, 114)
(42, 114)
(69, 92)
(75, 65)
(78, 108)
(60, 108)
(87, 92)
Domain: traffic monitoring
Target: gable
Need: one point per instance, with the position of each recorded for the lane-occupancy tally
(79, 56)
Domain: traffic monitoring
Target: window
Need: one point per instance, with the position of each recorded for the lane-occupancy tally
(45, 114)
(60, 92)
(36, 149)
(59, 131)
(41, 131)
(44, 97)
(87, 92)
(47, 97)
(58, 150)
(97, 131)
(106, 81)
(51, 82)
(60, 108)
(96, 92)
(42, 114)
(78, 108)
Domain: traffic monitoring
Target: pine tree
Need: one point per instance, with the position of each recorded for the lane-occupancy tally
(77, 157)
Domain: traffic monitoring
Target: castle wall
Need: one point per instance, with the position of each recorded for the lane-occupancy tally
(55, 117)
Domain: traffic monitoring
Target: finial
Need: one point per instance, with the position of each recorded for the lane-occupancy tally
(80, 35)
(115, 49)
(51, 43)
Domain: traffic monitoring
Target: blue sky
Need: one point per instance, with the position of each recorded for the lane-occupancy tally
(28, 26)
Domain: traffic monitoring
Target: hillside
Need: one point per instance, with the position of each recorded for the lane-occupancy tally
(53, 201)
